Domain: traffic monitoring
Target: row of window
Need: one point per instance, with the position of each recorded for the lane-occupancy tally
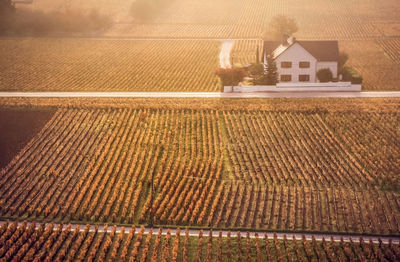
(289, 64)
(288, 78)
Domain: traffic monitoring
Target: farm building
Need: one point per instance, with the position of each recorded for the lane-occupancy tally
(299, 61)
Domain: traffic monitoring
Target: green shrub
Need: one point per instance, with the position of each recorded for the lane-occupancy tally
(231, 76)
(325, 75)
(351, 75)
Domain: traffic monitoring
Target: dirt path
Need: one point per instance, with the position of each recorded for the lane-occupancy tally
(225, 54)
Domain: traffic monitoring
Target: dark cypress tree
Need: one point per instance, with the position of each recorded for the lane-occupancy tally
(270, 76)
(272, 71)
(258, 56)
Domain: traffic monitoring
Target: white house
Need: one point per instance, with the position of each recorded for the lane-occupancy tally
(299, 61)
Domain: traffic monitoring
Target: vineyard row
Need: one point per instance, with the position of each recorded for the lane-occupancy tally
(261, 169)
(57, 243)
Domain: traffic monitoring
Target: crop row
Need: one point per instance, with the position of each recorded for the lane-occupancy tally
(32, 242)
(374, 139)
(391, 48)
(99, 167)
(244, 52)
(337, 19)
(290, 148)
(253, 169)
(378, 70)
(301, 208)
(90, 65)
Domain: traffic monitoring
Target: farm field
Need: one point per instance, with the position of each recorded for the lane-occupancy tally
(89, 65)
(368, 30)
(87, 179)
(170, 65)
(277, 169)
(337, 19)
(118, 10)
(376, 61)
(55, 243)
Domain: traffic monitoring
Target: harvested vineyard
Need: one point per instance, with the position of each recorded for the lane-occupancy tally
(57, 243)
(96, 65)
(265, 169)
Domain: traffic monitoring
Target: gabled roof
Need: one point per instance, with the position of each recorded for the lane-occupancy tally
(321, 50)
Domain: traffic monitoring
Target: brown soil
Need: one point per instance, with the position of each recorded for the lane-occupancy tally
(17, 128)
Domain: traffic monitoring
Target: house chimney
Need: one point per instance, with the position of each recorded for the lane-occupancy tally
(285, 39)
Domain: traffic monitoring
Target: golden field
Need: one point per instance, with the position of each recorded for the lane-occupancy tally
(369, 31)
(47, 64)
(95, 65)
(317, 19)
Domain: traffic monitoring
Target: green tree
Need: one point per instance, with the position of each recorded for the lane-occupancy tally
(270, 76)
(281, 25)
(343, 57)
(324, 75)
(257, 55)
(256, 70)
(231, 76)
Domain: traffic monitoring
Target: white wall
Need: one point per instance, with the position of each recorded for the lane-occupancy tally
(333, 66)
(296, 54)
(297, 87)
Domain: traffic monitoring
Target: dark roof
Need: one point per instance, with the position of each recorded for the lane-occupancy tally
(321, 50)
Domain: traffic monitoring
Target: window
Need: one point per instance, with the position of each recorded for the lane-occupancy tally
(304, 78)
(304, 64)
(286, 64)
(286, 78)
